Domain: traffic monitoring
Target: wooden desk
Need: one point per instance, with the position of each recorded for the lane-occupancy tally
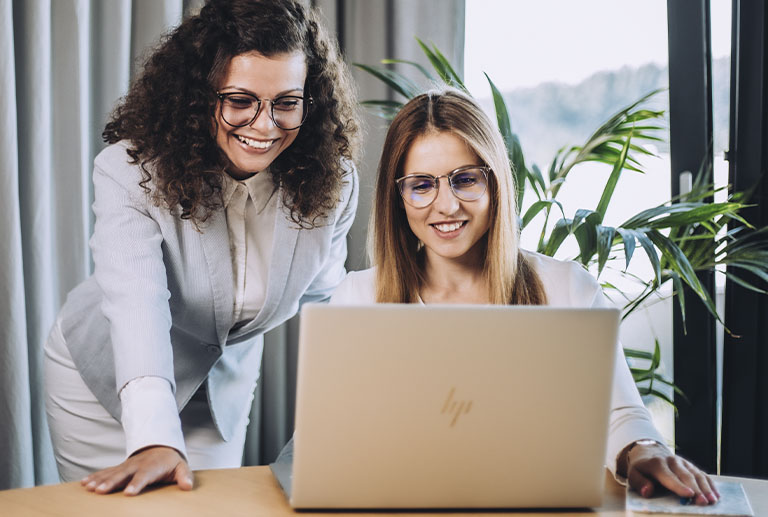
(248, 491)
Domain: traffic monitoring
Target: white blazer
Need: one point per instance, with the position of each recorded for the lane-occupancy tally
(566, 284)
(160, 300)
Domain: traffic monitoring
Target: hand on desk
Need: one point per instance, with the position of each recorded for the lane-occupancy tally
(148, 466)
(649, 464)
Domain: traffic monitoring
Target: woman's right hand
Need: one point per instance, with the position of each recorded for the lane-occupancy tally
(155, 464)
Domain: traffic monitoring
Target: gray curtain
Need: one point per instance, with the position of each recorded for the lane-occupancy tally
(63, 65)
(368, 31)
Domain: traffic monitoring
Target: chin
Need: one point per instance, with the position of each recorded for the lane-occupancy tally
(253, 166)
(456, 252)
(450, 254)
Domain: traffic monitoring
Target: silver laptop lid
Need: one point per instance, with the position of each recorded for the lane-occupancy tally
(406, 406)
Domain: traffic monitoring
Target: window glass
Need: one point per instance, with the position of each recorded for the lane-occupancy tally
(565, 67)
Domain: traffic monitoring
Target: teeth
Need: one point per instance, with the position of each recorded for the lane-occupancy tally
(445, 228)
(256, 144)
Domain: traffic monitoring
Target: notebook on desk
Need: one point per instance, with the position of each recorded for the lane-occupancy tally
(407, 406)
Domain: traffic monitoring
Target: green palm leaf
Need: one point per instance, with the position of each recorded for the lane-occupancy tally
(397, 81)
(537, 207)
(442, 66)
(613, 179)
(628, 238)
(605, 235)
(514, 150)
(556, 237)
(414, 64)
(384, 109)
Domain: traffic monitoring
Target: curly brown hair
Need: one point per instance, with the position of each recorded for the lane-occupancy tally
(167, 114)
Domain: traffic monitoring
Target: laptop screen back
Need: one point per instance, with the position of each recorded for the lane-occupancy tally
(406, 406)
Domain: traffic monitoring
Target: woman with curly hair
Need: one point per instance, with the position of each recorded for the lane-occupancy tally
(445, 230)
(222, 204)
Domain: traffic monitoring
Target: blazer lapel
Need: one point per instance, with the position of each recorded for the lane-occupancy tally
(218, 256)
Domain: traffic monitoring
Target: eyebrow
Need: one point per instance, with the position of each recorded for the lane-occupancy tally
(249, 92)
(414, 173)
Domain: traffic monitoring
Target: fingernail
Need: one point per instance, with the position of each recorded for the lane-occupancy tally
(130, 490)
(91, 484)
(712, 497)
(645, 491)
(102, 486)
(700, 499)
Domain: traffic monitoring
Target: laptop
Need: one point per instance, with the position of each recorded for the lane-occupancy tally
(403, 406)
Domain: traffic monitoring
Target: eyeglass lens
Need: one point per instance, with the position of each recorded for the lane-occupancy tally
(287, 112)
(420, 190)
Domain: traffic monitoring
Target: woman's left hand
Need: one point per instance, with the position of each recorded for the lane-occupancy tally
(648, 465)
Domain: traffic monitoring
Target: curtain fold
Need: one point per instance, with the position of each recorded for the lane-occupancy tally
(38, 276)
(15, 369)
(63, 65)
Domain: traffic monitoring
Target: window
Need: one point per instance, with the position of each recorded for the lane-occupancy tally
(562, 75)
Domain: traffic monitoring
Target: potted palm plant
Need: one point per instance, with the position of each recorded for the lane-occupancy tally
(681, 237)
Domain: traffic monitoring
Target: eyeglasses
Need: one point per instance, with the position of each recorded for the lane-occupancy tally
(240, 109)
(467, 183)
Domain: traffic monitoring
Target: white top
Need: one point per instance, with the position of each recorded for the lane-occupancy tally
(566, 284)
(251, 206)
(149, 413)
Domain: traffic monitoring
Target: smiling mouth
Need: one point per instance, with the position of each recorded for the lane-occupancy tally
(256, 144)
(448, 227)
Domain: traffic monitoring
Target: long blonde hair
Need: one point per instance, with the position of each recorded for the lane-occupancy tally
(396, 250)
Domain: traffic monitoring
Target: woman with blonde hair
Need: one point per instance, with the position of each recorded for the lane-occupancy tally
(445, 230)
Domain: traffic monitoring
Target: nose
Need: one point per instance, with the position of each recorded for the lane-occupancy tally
(263, 121)
(445, 202)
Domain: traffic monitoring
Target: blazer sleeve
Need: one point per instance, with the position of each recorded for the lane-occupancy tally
(333, 271)
(129, 268)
